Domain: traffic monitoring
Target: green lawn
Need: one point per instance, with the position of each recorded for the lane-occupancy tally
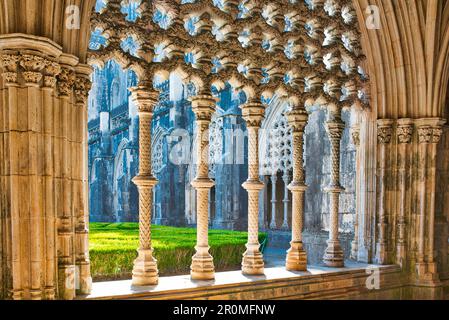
(113, 249)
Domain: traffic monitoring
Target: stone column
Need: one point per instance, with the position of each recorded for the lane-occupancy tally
(355, 132)
(429, 134)
(63, 183)
(202, 267)
(82, 88)
(41, 126)
(253, 263)
(404, 133)
(51, 70)
(145, 270)
(274, 179)
(384, 133)
(333, 256)
(296, 255)
(286, 200)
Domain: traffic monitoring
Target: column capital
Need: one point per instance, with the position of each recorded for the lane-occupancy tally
(430, 130)
(404, 130)
(9, 63)
(253, 114)
(66, 80)
(145, 98)
(51, 70)
(297, 119)
(32, 65)
(203, 106)
(82, 88)
(384, 130)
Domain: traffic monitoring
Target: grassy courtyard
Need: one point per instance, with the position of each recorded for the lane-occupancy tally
(113, 249)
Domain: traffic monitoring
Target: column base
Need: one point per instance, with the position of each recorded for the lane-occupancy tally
(49, 293)
(296, 257)
(427, 274)
(36, 295)
(253, 263)
(66, 282)
(145, 272)
(16, 295)
(333, 256)
(85, 281)
(202, 267)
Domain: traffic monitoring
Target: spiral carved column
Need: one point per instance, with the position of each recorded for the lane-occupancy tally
(333, 256)
(296, 255)
(202, 267)
(252, 258)
(145, 270)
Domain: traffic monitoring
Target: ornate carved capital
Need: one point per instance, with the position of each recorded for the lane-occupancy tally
(253, 113)
(145, 98)
(66, 80)
(384, 131)
(297, 119)
(9, 63)
(51, 71)
(430, 130)
(437, 132)
(404, 131)
(82, 88)
(203, 107)
(32, 65)
(424, 134)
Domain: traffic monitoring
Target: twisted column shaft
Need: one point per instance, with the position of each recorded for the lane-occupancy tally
(252, 258)
(202, 267)
(296, 255)
(145, 270)
(333, 256)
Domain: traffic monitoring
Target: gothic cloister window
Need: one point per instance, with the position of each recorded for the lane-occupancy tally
(367, 177)
(303, 53)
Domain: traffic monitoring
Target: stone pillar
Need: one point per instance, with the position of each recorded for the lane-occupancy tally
(333, 256)
(274, 179)
(286, 200)
(44, 181)
(429, 134)
(82, 88)
(404, 133)
(253, 263)
(296, 255)
(51, 70)
(384, 133)
(63, 174)
(202, 267)
(145, 270)
(355, 132)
